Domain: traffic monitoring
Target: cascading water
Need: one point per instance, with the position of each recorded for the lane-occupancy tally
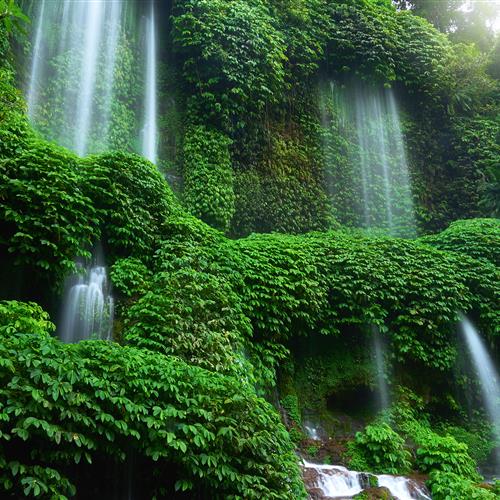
(84, 75)
(488, 378)
(311, 431)
(338, 482)
(150, 133)
(368, 119)
(32, 92)
(93, 32)
(380, 369)
(87, 307)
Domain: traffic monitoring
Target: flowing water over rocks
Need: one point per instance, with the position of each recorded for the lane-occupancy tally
(325, 482)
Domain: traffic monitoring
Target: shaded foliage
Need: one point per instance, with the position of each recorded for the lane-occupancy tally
(79, 402)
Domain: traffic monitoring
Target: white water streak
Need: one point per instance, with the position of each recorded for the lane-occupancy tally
(34, 81)
(380, 366)
(93, 32)
(88, 308)
(150, 133)
(488, 377)
(110, 61)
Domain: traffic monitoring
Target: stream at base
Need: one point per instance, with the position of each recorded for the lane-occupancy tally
(336, 482)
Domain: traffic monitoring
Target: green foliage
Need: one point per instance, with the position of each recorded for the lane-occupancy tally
(291, 405)
(47, 219)
(444, 453)
(272, 197)
(477, 439)
(12, 17)
(132, 201)
(362, 40)
(14, 130)
(23, 316)
(130, 277)
(423, 56)
(321, 282)
(305, 27)
(193, 315)
(97, 399)
(450, 486)
(433, 452)
(208, 178)
(233, 58)
(478, 238)
(379, 449)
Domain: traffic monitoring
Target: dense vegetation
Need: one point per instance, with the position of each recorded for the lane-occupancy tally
(209, 331)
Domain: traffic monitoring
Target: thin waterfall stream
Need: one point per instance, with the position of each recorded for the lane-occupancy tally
(487, 377)
(150, 133)
(379, 351)
(379, 186)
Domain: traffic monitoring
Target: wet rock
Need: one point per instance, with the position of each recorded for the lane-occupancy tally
(377, 494)
(418, 489)
(367, 480)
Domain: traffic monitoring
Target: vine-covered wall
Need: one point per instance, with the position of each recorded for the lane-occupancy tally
(208, 328)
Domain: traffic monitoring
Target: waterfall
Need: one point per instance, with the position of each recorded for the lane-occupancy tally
(149, 140)
(311, 431)
(93, 32)
(109, 64)
(487, 375)
(380, 368)
(87, 307)
(34, 81)
(72, 86)
(334, 481)
(368, 120)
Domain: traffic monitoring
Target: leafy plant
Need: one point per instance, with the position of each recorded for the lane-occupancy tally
(96, 399)
(379, 449)
(12, 17)
(447, 486)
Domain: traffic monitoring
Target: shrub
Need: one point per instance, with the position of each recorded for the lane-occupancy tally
(379, 449)
(47, 219)
(82, 403)
(450, 486)
(132, 201)
(479, 238)
(446, 454)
